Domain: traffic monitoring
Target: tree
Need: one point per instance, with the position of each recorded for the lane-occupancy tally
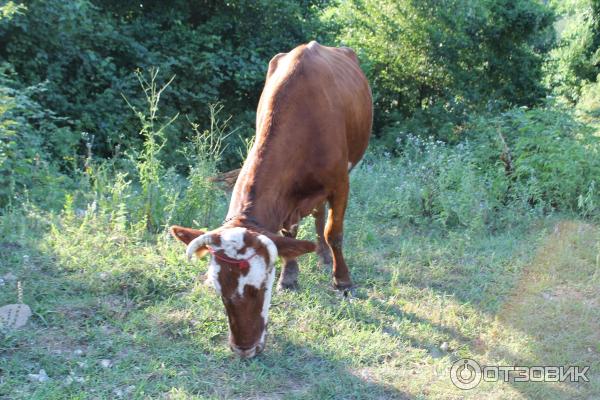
(432, 62)
(575, 62)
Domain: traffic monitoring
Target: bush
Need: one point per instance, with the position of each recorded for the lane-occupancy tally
(574, 63)
(588, 104)
(554, 157)
(508, 168)
(35, 145)
(432, 63)
(219, 51)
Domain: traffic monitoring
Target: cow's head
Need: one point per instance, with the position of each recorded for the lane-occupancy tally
(242, 270)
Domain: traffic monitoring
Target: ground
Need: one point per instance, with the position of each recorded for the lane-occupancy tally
(115, 316)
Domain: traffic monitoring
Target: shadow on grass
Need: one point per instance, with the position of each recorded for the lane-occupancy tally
(285, 371)
(76, 307)
(73, 312)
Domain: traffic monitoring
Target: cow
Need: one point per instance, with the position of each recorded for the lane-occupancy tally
(313, 124)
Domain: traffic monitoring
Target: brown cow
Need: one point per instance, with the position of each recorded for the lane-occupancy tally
(312, 126)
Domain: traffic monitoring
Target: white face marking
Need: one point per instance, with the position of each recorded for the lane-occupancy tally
(213, 274)
(271, 248)
(257, 274)
(267, 301)
(232, 240)
(349, 166)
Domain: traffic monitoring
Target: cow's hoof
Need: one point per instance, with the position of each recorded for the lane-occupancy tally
(291, 286)
(342, 284)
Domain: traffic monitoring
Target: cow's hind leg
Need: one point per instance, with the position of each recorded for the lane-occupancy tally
(289, 274)
(334, 234)
(323, 250)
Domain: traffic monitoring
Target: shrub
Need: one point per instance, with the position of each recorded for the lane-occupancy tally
(588, 104)
(573, 63)
(431, 63)
(554, 156)
(219, 51)
(508, 168)
(35, 144)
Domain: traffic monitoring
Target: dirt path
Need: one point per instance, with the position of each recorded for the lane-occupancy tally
(555, 313)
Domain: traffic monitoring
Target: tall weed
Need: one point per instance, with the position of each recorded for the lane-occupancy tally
(147, 196)
(198, 204)
(150, 170)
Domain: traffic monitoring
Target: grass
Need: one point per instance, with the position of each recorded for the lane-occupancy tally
(100, 290)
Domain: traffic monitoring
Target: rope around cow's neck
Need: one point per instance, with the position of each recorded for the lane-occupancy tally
(243, 264)
(245, 220)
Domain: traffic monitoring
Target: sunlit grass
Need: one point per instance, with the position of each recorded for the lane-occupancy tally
(525, 295)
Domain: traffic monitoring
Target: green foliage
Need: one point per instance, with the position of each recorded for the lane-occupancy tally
(34, 143)
(574, 63)
(432, 63)
(434, 66)
(201, 198)
(150, 170)
(10, 9)
(220, 51)
(553, 165)
(431, 185)
(147, 196)
(588, 104)
(555, 158)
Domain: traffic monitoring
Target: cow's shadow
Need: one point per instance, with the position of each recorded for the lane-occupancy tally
(309, 373)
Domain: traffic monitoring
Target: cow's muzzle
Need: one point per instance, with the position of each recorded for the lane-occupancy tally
(247, 352)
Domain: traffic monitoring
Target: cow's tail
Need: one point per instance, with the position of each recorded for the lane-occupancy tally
(226, 179)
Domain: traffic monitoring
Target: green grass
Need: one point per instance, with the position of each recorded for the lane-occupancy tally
(100, 290)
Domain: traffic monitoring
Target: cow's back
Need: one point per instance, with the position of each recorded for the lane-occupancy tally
(325, 87)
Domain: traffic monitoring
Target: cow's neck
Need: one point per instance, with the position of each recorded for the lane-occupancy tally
(263, 191)
(265, 207)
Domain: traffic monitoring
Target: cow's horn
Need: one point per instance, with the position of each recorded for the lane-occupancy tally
(195, 244)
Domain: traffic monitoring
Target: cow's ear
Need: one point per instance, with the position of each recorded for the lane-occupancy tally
(186, 235)
(291, 248)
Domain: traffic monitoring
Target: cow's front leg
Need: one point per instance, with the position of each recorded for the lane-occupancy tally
(289, 274)
(334, 235)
